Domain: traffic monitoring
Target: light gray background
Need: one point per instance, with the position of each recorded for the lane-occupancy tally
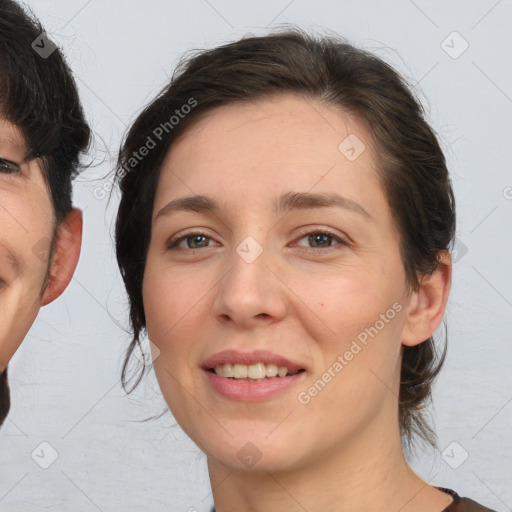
(65, 377)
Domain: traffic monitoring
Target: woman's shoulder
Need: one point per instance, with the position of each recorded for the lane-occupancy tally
(460, 504)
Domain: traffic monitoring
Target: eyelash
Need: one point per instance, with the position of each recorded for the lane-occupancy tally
(8, 167)
(173, 243)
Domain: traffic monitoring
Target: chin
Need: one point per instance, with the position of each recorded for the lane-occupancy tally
(249, 458)
(254, 453)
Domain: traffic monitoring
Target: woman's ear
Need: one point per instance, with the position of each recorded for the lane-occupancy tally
(427, 304)
(68, 241)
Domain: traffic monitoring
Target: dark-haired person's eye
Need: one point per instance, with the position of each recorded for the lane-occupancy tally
(8, 167)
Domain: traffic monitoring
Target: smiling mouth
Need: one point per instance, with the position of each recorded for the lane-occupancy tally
(253, 372)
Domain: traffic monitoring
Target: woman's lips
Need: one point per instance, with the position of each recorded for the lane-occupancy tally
(251, 376)
(247, 390)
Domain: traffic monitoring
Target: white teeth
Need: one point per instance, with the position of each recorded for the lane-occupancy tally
(282, 371)
(228, 371)
(240, 371)
(271, 370)
(225, 370)
(256, 371)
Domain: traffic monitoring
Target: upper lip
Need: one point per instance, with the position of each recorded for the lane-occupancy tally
(248, 358)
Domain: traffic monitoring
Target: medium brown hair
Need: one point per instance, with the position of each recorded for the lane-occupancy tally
(412, 167)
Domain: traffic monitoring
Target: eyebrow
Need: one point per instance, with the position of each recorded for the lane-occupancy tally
(285, 203)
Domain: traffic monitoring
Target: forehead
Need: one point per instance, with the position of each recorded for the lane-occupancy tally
(285, 142)
(287, 122)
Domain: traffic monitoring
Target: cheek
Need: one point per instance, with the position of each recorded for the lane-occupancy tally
(27, 217)
(174, 313)
(343, 302)
(359, 374)
(31, 239)
(20, 304)
(357, 323)
(172, 303)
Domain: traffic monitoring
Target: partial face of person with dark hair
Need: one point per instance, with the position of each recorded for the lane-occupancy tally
(37, 257)
(275, 291)
(42, 133)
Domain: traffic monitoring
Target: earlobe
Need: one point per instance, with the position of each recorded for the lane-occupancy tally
(427, 304)
(68, 242)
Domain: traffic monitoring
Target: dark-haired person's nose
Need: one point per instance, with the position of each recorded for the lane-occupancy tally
(250, 294)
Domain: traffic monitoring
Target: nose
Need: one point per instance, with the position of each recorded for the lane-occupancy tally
(250, 293)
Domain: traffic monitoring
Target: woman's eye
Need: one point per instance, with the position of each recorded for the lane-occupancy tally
(321, 239)
(8, 167)
(191, 241)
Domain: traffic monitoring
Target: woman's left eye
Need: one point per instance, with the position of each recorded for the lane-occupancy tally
(321, 239)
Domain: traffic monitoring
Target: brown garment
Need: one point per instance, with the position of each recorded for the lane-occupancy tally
(463, 504)
(458, 505)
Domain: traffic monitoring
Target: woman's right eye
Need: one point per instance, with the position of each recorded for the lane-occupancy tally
(192, 241)
(8, 167)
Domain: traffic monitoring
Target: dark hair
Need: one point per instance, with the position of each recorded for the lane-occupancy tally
(39, 96)
(412, 165)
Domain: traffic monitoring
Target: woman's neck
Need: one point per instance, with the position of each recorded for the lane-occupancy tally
(358, 477)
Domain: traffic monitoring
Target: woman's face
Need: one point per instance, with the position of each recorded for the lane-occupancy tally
(26, 227)
(290, 259)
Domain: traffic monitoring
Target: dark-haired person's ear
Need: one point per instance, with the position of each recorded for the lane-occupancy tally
(68, 241)
(427, 305)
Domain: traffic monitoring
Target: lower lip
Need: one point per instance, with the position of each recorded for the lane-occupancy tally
(251, 391)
